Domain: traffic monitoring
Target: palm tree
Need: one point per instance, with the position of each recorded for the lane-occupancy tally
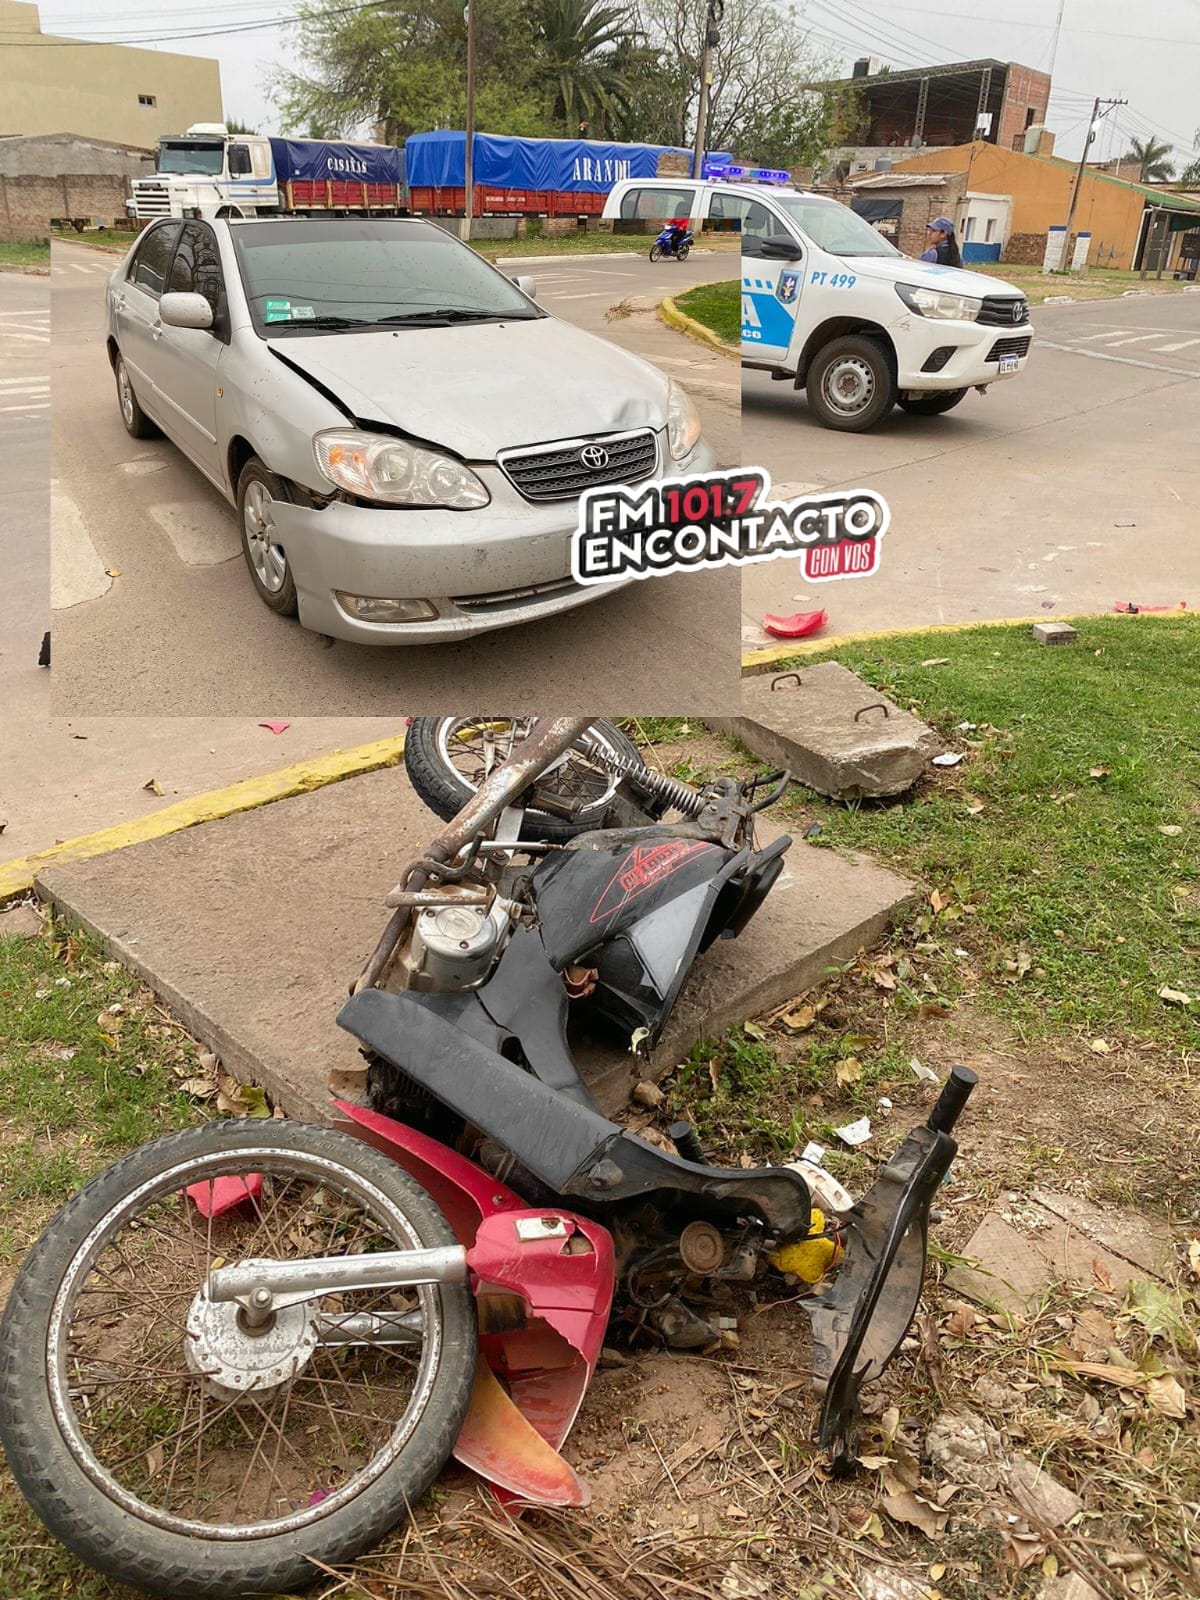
(1151, 155)
(581, 39)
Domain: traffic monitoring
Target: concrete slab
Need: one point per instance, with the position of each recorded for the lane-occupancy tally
(1058, 1239)
(252, 927)
(834, 732)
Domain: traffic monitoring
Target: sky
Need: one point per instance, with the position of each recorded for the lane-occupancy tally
(1156, 68)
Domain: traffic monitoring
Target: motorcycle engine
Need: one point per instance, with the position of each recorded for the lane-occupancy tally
(454, 946)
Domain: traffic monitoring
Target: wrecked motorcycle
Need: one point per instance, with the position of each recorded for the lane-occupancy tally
(249, 1348)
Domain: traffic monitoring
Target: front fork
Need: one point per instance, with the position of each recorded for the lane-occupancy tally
(860, 1321)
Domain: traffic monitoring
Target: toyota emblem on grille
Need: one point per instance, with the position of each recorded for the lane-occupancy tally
(1018, 311)
(594, 457)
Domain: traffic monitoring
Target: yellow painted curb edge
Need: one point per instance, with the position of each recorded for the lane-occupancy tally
(17, 877)
(762, 660)
(671, 314)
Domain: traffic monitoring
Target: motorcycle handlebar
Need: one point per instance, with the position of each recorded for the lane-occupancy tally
(954, 1096)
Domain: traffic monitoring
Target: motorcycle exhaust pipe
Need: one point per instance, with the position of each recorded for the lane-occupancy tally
(950, 1103)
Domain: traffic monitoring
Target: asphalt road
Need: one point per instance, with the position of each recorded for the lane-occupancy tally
(1068, 488)
(156, 616)
(24, 504)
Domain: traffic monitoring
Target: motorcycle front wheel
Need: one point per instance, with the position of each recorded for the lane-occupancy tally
(175, 1448)
(656, 252)
(447, 758)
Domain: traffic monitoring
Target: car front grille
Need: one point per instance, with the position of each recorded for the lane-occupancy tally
(505, 599)
(1010, 347)
(1003, 311)
(563, 472)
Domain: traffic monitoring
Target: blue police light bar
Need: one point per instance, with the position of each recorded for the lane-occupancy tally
(725, 172)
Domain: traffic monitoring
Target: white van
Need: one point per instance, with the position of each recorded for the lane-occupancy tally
(829, 303)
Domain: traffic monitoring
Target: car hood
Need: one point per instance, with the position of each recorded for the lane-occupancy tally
(478, 388)
(928, 274)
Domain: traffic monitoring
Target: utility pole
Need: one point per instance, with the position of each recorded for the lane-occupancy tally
(469, 147)
(712, 36)
(1093, 123)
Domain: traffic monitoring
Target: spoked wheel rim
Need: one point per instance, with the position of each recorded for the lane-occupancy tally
(849, 385)
(266, 556)
(125, 394)
(150, 1400)
(473, 747)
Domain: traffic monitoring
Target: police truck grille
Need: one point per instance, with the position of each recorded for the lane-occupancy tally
(1003, 311)
(1010, 347)
(564, 471)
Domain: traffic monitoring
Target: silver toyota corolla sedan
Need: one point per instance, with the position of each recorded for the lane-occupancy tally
(404, 432)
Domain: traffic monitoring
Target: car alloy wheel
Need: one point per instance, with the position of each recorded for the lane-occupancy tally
(267, 557)
(125, 394)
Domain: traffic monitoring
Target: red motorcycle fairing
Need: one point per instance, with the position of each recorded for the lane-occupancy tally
(537, 1364)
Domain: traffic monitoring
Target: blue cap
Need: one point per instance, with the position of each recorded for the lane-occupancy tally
(943, 224)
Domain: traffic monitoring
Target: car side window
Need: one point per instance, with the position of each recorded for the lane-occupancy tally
(196, 268)
(149, 268)
(756, 222)
(657, 205)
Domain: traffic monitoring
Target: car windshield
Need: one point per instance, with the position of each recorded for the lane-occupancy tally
(209, 158)
(833, 227)
(319, 276)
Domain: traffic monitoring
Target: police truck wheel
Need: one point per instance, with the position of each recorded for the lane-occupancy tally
(851, 384)
(656, 252)
(931, 405)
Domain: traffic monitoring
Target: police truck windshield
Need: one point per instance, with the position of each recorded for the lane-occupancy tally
(206, 158)
(832, 226)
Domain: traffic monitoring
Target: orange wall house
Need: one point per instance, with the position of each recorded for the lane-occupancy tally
(1040, 186)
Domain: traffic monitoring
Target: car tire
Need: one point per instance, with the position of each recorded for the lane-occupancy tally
(259, 490)
(851, 384)
(656, 252)
(137, 423)
(931, 405)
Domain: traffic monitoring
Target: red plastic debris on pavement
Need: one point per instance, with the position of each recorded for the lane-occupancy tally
(275, 727)
(797, 626)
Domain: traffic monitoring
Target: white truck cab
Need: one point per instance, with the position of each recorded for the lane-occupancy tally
(208, 172)
(829, 304)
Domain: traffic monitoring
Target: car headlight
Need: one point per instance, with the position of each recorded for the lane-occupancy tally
(375, 466)
(683, 422)
(937, 303)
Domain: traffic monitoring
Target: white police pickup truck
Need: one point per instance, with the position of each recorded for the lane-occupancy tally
(830, 304)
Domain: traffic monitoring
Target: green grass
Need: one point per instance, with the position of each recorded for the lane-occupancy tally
(87, 1071)
(1064, 885)
(19, 253)
(717, 306)
(561, 244)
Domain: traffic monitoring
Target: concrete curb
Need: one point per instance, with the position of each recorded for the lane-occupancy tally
(17, 877)
(674, 318)
(565, 255)
(755, 661)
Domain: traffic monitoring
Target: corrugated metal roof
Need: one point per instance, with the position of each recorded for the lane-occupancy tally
(899, 180)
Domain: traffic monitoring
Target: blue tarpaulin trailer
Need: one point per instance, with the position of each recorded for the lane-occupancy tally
(316, 160)
(437, 161)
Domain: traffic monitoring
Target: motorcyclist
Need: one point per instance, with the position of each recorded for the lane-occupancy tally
(680, 227)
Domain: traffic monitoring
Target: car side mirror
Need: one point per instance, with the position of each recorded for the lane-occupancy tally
(185, 310)
(527, 286)
(782, 247)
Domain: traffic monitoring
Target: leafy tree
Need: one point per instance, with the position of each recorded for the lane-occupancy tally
(400, 69)
(1151, 155)
(234, 126)
(584, 44)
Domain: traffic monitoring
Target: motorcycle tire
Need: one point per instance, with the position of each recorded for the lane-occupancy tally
(445, 790)
(147, 1543)
(656, 252)
(683, 252)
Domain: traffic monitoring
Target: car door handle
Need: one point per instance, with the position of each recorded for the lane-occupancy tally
(156, 330)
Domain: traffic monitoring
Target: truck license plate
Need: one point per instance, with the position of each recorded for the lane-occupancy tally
(1009, 364)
